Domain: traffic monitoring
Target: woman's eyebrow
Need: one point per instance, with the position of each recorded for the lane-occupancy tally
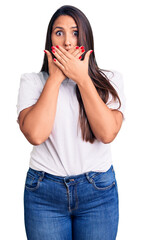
(63, 28)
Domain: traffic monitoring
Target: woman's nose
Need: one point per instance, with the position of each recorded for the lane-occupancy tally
(67, 41)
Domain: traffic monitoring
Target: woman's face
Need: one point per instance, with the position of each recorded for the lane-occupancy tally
(64, 32)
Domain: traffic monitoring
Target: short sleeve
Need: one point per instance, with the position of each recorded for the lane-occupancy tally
(29, 91)
(116, 80)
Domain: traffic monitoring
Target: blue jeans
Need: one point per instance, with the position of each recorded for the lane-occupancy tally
(80, 207)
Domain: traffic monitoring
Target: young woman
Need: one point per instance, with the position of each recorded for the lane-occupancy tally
(70, 111)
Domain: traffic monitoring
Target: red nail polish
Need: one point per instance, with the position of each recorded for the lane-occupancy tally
(83, 50)
(44, 51)
(77, 47)
(54, 59)
(82, 47)
(80, 57)
(57, 46)
(91, 51)
(53, 51)
(53, 47)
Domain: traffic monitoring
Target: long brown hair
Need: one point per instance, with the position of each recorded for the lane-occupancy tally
(99, 79)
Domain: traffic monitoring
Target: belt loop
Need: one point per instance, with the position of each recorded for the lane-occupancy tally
(90, 180)
(42, 176)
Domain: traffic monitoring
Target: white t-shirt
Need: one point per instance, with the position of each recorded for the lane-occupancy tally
(64, 152)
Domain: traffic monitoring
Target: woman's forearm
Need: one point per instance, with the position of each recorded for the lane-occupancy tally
(100, 117)
(38, 123)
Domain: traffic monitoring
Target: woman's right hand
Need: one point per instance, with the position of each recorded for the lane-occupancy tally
(54, 70)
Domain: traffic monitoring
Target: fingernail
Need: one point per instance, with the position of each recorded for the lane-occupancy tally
(45, 51)
(80, 57)
(91, 51)
(53, 51)
(53, 47)
(83, 50)
(82, 47)
(77, 47)
(54, 59)
(57, 46)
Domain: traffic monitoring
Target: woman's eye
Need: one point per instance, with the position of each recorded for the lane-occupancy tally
(76, 33)
(58, 32)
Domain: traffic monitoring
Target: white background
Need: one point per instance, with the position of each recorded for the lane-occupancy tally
(117, 43)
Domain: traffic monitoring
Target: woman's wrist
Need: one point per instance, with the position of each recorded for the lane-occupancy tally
(56, 78)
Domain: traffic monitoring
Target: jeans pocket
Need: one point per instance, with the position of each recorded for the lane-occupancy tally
(33, 179)
(104, 180)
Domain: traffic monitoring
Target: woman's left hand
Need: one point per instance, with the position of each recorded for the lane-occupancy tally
(72, 67)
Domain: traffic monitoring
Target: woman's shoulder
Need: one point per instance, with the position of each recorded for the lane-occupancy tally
(35, 78)
(34, 74)
(113, 74)
(115, 77)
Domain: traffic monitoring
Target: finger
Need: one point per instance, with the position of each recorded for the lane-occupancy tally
(80, 52)
(73, 50)
(49, 55)
(57, 63)
(87, 55)
(64, 53)
(59, 56)
(77, 51)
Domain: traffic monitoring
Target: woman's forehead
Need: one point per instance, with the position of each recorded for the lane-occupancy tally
(64, 22)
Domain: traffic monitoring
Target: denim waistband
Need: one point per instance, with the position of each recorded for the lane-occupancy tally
(71, 178)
